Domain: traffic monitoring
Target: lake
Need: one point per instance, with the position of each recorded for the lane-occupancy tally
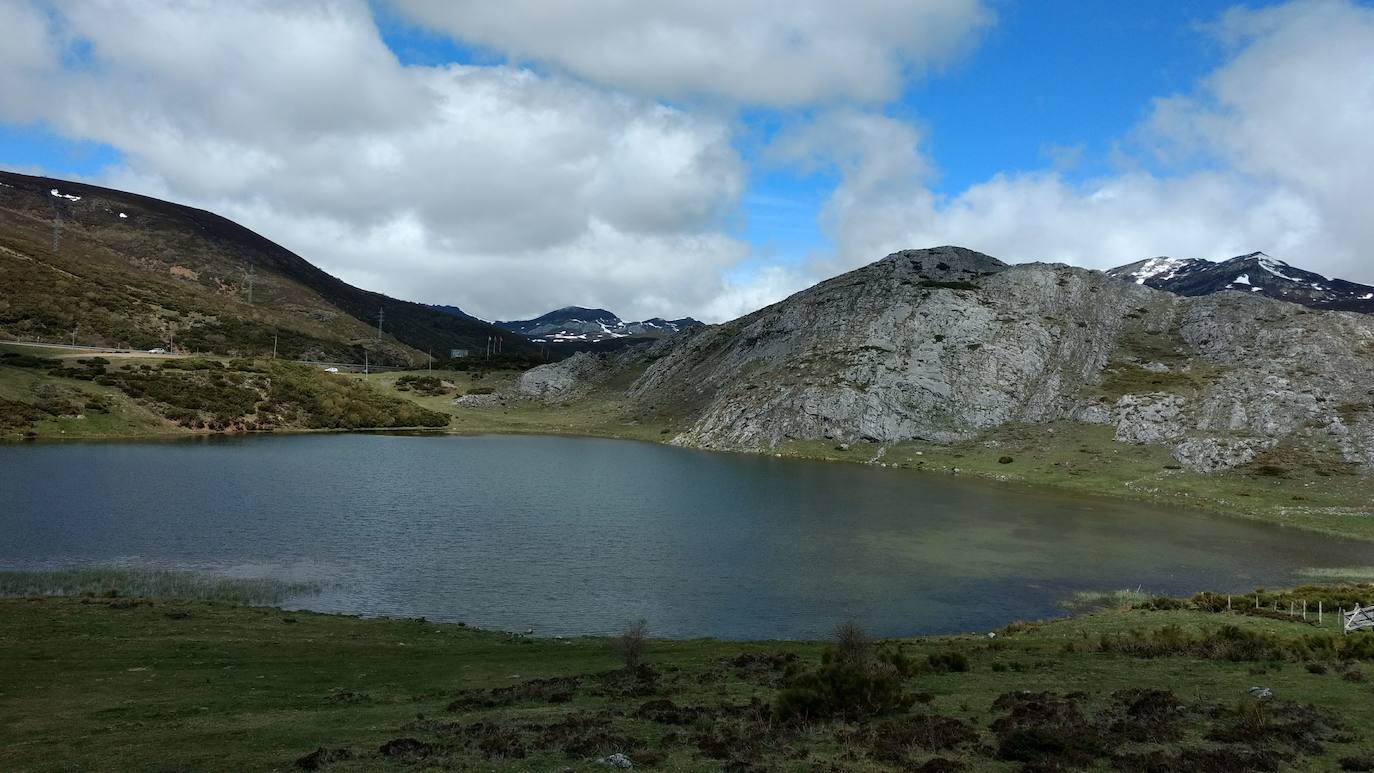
(575, 535)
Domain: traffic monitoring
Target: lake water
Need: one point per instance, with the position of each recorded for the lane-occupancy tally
(575, 535)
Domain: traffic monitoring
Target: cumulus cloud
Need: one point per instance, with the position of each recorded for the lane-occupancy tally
(1272, 152)
(766, 52)
(493, 188)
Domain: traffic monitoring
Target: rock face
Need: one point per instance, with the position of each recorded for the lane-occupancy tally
(1155, 417)
(566, 379)
(947, 344)
(935, 345)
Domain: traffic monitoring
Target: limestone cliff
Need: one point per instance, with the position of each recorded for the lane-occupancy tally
(947, 344)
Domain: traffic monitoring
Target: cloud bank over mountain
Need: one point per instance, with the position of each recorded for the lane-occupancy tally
(599, 155)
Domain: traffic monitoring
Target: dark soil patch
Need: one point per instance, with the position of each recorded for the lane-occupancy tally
(321, 757)
(408, 749)
(1191, 760)
(895, 740)
(1045, 731)
(1147, 715)
(584, 735)
(554, 690)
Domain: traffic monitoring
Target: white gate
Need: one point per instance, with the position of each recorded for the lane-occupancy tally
(1358, 618)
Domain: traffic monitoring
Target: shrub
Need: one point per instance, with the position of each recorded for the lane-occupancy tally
(947, 661)
(631, 644)
(851, 643)
(840, 689)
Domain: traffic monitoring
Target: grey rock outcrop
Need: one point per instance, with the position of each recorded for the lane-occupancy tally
(1215, 454)
(1155, 417)
(566, 379)
(947, 344)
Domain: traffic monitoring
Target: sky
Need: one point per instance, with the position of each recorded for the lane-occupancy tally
(708, 157)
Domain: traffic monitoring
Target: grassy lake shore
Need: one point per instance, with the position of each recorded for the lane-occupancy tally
(154, 684)
(1295, 492)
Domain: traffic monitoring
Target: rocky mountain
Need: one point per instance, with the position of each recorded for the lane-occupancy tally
(574, 323)
(99, 266)
(1256, 274)
(946, 345)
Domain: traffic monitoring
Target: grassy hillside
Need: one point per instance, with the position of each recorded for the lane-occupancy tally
(175, 685)
(164, 275)
(98, 397)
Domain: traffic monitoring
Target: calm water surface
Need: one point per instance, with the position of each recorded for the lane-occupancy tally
(575, 535)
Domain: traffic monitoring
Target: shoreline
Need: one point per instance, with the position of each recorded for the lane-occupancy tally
(1091, 487)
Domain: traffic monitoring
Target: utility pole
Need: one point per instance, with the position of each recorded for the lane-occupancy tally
(366, 365)
(274, 346)
(430, 354)
(56, 225)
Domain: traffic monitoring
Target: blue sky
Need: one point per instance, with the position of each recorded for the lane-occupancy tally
(1070, 75)
(1092, 133)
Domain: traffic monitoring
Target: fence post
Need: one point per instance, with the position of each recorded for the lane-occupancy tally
(1319, 612)
(1228, 602)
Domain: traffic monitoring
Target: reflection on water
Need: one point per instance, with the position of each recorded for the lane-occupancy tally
(574, 535)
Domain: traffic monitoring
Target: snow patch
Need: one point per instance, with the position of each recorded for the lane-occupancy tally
(1368, 297)
(123, 216)
(1276, 268)
(1243, 279)
(1155, 267)
(55, 192)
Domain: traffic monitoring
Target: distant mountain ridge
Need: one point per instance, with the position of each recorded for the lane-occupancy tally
(1255, 273)
(576, 323)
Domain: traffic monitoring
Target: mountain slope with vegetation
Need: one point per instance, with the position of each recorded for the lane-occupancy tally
(928, 357)
(98, 266)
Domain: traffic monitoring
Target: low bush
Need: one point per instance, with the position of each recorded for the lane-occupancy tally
(841, 690)
(941, 662)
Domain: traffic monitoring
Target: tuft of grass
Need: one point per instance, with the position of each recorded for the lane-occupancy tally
(1344, 573)
(191, 586)
(1087, 601)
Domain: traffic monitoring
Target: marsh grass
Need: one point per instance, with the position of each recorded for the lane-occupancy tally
(110, 582)
(1343, 573)
(1087, 601)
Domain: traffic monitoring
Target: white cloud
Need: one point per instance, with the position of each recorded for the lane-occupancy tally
(1273, 152)
(767, 52)
(493, 188)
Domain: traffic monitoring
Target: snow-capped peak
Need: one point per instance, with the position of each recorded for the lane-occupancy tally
(1163, 268)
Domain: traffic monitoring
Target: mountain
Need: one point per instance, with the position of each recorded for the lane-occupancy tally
(575, 323)
(99, 266)
(948, 345)
(453, 311)
(1255, 273)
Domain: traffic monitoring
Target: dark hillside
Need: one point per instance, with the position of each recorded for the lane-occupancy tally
(109, 267)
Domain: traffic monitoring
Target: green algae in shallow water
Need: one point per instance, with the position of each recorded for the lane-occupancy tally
(197, 586)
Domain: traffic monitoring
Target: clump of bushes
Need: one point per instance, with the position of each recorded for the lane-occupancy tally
(941, 662)
(1230, 642)
(425, 385)
(850, 683)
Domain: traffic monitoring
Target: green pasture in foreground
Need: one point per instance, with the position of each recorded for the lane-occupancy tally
(132, 684)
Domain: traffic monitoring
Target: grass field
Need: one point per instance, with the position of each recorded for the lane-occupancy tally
(125, 684)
